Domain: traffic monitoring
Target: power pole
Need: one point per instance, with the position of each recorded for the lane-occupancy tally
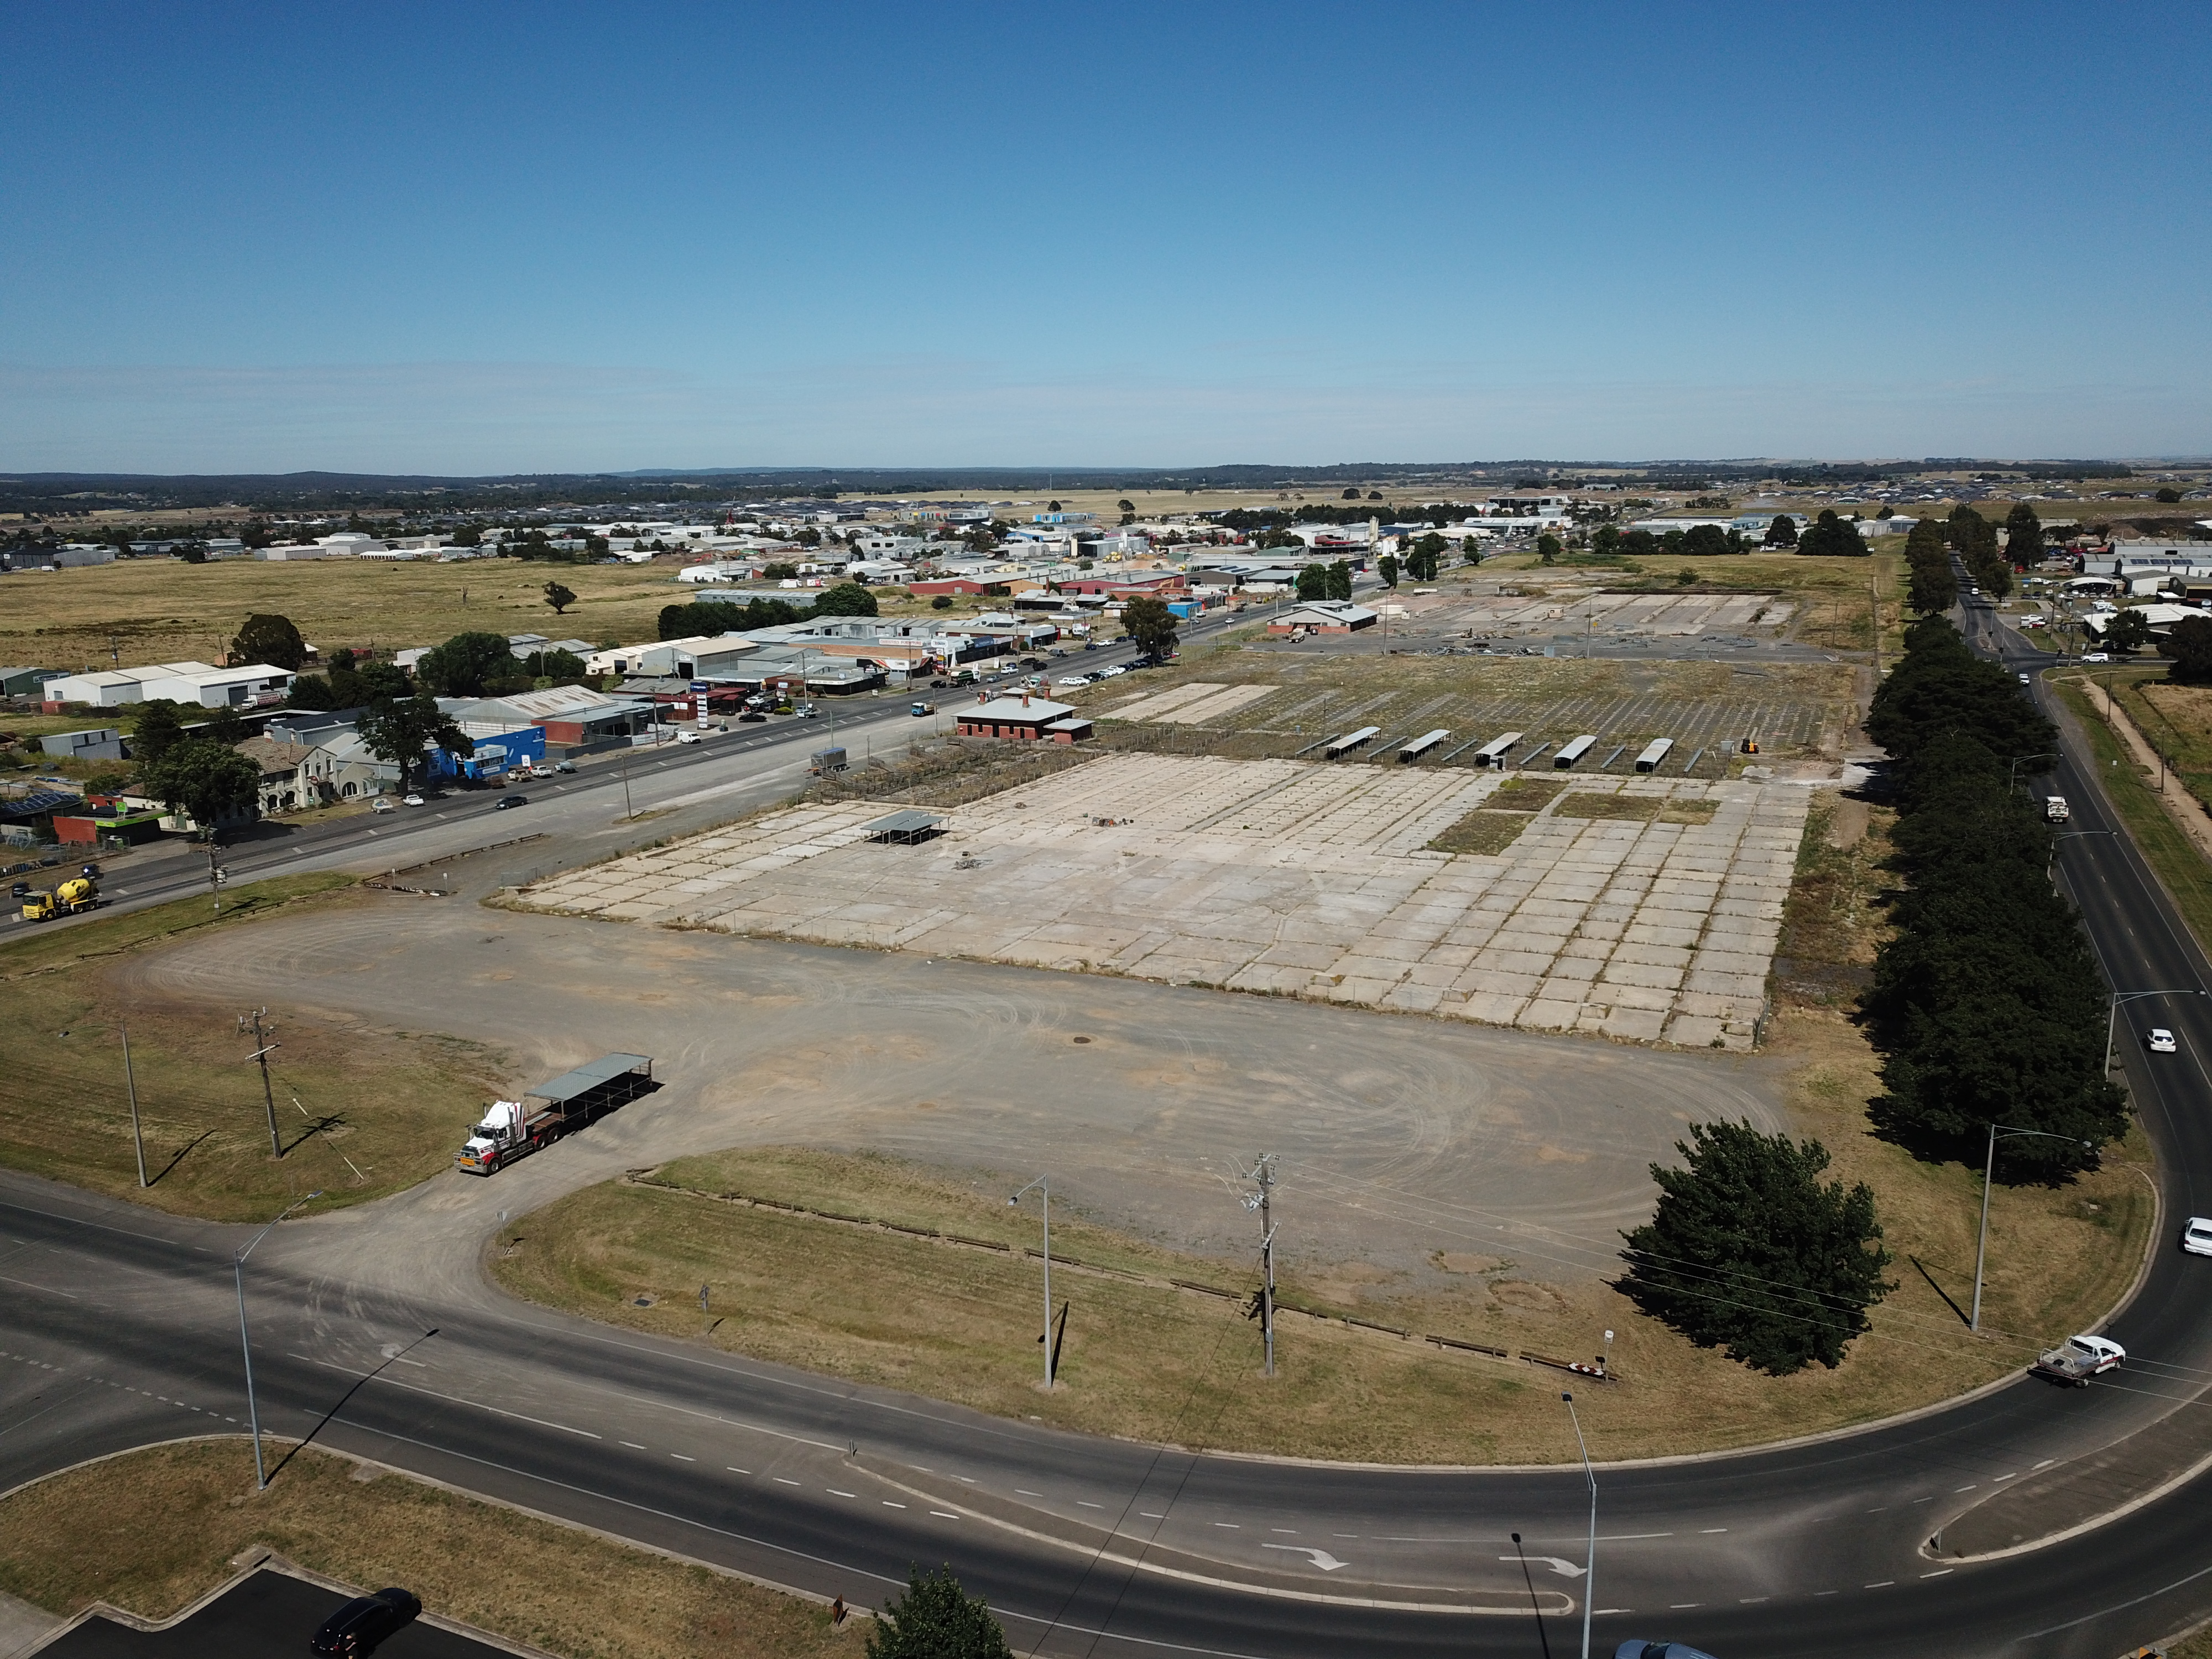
(1263, 1171)
(261, 1047)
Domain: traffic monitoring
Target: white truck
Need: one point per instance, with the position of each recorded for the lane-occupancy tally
(515, 1128)
(2055, 809)
(2078, 1359)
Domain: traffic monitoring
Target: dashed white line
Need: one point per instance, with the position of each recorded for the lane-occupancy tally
(734, 1469)
(780, 1481)
(1628, 1537)
(890, 1506)
(1676, 1607)
(833, 1492)
(681, 1458)
(1938, 1573)
(1025, 1492)
(945, 1515)
(632, 1444)
(1961, 1489)
(1287, 1532)
(1231, 1525)
(1708, 1531)
(1881, 1584)
(1085, 1503)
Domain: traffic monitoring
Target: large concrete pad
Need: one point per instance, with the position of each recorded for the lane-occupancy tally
(1281, 876)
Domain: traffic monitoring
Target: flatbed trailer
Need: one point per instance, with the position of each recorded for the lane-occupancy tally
(515, 1128)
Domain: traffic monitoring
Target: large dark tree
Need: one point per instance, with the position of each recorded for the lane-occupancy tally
(2127, 633)
(845, 599)
(2189, 643)
(1148, 621)
(271, 638)
(402, 732)
(1782, 532)
(206, 781)
(1933, 588)
(1831, 537)
(465, 665)
(935, 1618)
(1751, 1250)
(156, 729)
(2023, 537)
(708, 618)
(1340, 579)
(1941, 687)
(1313, 582)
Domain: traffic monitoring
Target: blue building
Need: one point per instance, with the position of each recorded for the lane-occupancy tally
(493, 755)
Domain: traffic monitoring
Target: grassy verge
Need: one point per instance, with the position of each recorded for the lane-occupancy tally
(152, 1531)
(2164, 845)
(1143, 1358)
(361, 1113)
(2178, 721)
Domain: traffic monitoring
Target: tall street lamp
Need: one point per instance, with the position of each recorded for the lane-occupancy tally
(1997, 1133)
(245, 1344)
(1589, 1568)
(1042, 1187)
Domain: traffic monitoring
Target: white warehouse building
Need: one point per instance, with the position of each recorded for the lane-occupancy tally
(173, 681)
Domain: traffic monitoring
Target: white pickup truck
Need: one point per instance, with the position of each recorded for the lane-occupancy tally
(2078, 1359)
(2055, 809)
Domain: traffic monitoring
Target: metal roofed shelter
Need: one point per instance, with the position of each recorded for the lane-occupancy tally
(598, 1086)
(1421, 745)
(1654, 753)
(1570, 752)
(1493, 753)
(1340, 747)
(905, 827)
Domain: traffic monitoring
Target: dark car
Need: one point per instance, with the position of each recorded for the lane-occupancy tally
(361, 1623)
(22, 890)
(506, 801)
(753, 717)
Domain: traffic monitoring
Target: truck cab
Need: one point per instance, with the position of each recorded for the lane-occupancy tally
(503, 1133)
(2055, 809)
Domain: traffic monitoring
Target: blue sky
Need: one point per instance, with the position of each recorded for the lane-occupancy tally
(468, 239)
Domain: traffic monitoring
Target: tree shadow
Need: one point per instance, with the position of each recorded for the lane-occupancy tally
(179, 1157)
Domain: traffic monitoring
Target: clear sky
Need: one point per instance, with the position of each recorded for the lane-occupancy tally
(464, 239)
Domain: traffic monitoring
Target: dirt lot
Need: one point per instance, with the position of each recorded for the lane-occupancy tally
(152, 1531)
(361, 1110)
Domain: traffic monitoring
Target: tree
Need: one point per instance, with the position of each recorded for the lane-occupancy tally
(254, 533)
(2168, 494)
(2189, 643)
(1605, 541)
(1707, 541)
(1126, 507)
(464, 665)
(400, 731)
(1313, 582)
(779, 572)
(1782, 532)
(2023, 537)
(1423, 557)
(940, 602)
(845, 599)
(1051, 507)
(1148, 621)
(156, 729)
(468, 536)
(1548, 548)
(206, 781)
(1351, 495)
(560, 598)
(1340, 579)
(270, 639)
(1941, 688)
(935, 1618)
(1750, 1249)
(1832, 537)
(1387, 567)
(2127, 633)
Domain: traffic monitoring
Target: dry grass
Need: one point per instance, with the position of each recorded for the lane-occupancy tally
(1637, 809)
(2164, 844)
(152, 1531)
(2178, 721)
(361, 1112)
(1482, 833)
(161, 610)
(1145, 1359)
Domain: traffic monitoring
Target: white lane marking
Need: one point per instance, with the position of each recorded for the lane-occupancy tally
(780, 1481)
(1231, 1525)
(943, 1514)
(1817, 1594)
(1959, 1489)
(734, 1469)
(1085, 1503)
(2007, 1477)
(1938, 1573)
(890, 1506)
(1321, 1558)
(1150, 1514)
(1708, 1531)
(454, 1398)
(632, 1444)
(2044, 1464)
(1678, 1606)
(1565, 1569)
(681, 1458)
(49, 1289)
(1749, 1601)
(833, 1492)
(1026, 1492)
(1287, 1532)
(1883, 1583)
(1629, 1537)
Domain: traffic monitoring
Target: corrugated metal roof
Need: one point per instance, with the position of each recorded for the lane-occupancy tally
(907, 823)
(584, 1078)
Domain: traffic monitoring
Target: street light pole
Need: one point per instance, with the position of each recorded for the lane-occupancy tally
(1590, 1568)
(1998, 1132)
(245, 1344)
(1043, 1186)
(2112, 1014)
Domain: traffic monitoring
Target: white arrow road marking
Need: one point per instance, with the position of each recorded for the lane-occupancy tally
(1565, 1569)
(1321, 1558)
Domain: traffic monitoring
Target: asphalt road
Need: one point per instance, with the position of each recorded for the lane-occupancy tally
(117, 1328)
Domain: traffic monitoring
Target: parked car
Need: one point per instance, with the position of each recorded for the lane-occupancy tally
(1074, 679)
(411, 801)
(382, 803)
(564, 766)
(506, 801)
(2196, 1236)
(2161, 1041)
(753, 717)
(2096, 656)
(361, 1623)
(688, 737)
(2079, 1358)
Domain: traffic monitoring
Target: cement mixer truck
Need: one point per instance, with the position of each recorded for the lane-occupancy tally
(81, 893)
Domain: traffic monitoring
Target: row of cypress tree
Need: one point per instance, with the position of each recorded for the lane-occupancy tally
(1986, 1005)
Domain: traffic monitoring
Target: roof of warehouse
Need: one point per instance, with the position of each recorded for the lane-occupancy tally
(569, 1085)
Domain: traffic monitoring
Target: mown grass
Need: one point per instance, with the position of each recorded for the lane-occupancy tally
(151, 1531)
(1146, 1359)
(361, 1113)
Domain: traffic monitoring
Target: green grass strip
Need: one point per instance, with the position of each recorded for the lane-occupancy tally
(2164, 845)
